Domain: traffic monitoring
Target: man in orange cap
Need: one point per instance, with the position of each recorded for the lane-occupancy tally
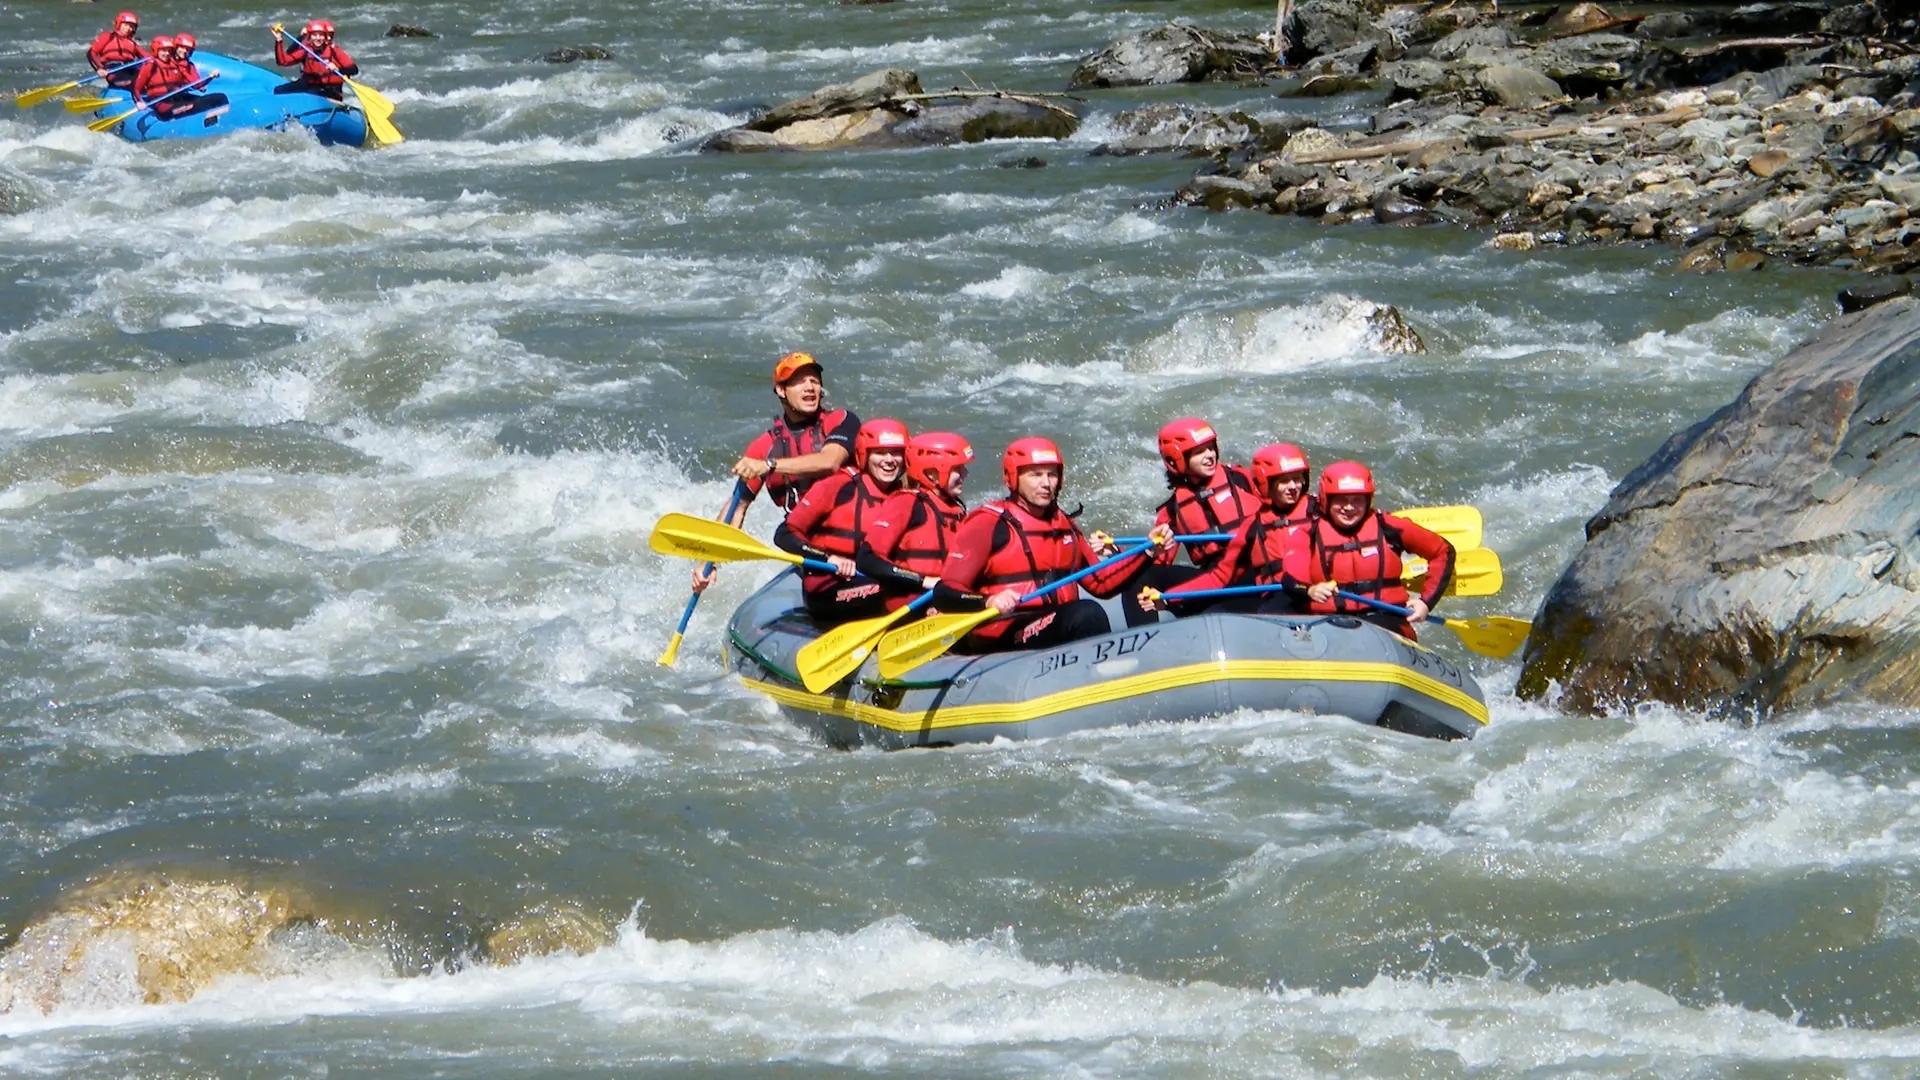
(808, 441)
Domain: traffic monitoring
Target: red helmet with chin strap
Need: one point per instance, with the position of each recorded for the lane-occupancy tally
(318, 26)
(878, 435)
(1272, 462)
(126, 17)
(159, 43)
(934, 456)
(185, 41)
(1345, 478)
(1031, 450)
(1183, 437)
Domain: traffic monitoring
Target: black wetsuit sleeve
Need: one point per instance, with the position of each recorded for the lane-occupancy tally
(879, 569)
(789, 541)
(948, 598)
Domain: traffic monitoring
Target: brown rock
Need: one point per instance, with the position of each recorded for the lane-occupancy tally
(1704, 257)
(1741, 261)
(1767, 162)
(1643, 229)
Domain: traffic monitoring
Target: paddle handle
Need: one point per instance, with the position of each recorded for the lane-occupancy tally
(1382, 605)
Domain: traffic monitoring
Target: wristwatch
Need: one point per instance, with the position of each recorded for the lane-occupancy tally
(771, 468)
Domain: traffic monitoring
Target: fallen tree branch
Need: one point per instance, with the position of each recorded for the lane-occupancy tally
(1755, 43)
(1518, 135)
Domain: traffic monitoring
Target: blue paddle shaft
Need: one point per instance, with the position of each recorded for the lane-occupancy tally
(1384, 606)
(693, 601)
(1193, 538)
(114, 70)
(1078, 574)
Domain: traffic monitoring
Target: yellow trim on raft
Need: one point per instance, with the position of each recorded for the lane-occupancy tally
(1015, 712)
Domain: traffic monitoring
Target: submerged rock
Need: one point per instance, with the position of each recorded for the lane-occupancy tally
(403, 30)
(1767, 558)
(545, 930)
(574, 53)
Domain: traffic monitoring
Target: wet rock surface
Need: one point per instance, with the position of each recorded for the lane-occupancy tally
(888, 109)
(1763, 127)
(1767, 558)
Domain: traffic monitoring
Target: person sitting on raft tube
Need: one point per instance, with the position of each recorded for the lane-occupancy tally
(172, 69)
(1013, 546)
(1209, 496)
(118, 47)
(316, 77)
(831, 519)
(906, 544)
(1271, 547)
(1358, 549)
(806, 443)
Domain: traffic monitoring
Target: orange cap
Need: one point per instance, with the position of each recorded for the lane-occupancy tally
(791, 364)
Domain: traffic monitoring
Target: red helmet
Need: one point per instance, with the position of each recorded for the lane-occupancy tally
(185, 41)
(1345, 478)
(1031, 450)
(126, 17)
(1183, 437)
(318, 26)
(1280, 459)
(878, 435)
(159, 43)
(934, 456)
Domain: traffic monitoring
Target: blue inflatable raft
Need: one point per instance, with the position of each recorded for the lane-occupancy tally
(251, 104)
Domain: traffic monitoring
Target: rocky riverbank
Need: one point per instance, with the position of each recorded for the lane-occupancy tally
(1569, 126)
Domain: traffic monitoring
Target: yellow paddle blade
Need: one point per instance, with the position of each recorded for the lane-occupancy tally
(29, 98)
(1461, 525)
(692, 537)
(929, 639)
(383, 131)
(373, 101)
(1495, 635)
(840, 651)
(1476, 572)
(673, 651)
(87, 104)
(102, 125)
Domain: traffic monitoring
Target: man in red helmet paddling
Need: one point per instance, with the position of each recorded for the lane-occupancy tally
(1207, 496)
(1013, 546)
(806, 443)
(906, 544)
(323, 70)
(1358, 549)
(832, 518)
(116, 47)
(1271, 547)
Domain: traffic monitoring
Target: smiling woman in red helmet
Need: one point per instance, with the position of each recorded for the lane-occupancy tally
(118, 46)
(906, 545)
(830, 521)
(1269, 548)
(806, 443)
(1208, 496)
(1357, 549)
(322, 70)
(1013, 546)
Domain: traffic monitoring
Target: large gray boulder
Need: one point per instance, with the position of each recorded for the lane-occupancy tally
(1769, 557)
(1319, 27)
(1174, 53)
(869, 91)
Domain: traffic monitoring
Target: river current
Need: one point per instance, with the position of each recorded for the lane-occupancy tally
(328, 625)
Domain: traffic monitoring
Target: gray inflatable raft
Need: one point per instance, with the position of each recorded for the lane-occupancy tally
(1205, 665)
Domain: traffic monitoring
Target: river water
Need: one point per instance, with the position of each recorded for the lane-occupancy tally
(328, 624)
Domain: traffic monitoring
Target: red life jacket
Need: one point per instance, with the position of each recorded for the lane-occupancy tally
(843, 500)
(1365, 563)
(1218, 508)
(161, 77)
(787, 491)
(311, 68)
(928, 533)
(110, 50)
(1027, 553)
(1267, 549)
